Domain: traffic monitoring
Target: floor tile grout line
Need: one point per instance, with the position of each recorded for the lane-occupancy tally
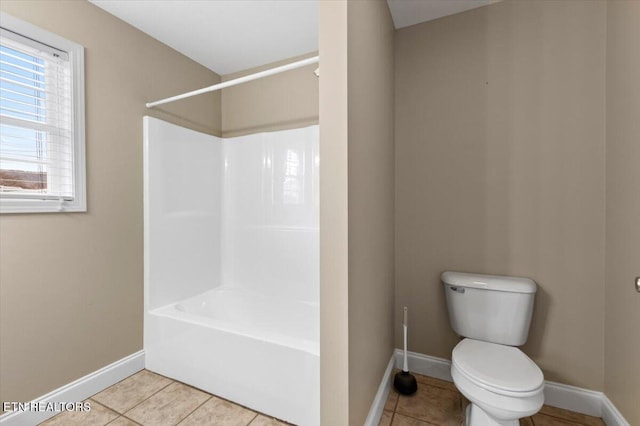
(131, 420)
(395, 404)
(155, 393)
(128, 377)
(254, 417)
(122, 415)
(93, 401)
(193, 411)
(228, 400)
(225, 399)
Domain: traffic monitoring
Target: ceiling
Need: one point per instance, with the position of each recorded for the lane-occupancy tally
(233, 35)
(411, 12)
(225, 35)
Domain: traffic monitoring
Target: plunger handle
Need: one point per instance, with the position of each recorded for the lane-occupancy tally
(405, 365)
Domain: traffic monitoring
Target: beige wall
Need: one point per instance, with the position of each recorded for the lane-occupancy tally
(500, 121)
(334, 222)
(71, 284)
(282, 101)
(622, 303)
(356, 206)
(371, 199)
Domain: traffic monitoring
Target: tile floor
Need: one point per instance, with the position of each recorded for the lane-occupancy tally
(146, 398)
(149, 399)
(439, 403)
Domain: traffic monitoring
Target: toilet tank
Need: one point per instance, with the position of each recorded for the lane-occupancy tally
(491, 308)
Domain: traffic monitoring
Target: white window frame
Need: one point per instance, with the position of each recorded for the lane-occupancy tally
(76, 60)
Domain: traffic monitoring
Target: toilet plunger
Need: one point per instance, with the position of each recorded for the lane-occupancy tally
(404, 381)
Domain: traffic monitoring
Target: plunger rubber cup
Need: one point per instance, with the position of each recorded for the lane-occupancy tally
(405, 383)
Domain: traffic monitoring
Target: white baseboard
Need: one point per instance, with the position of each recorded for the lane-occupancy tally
(572, 398)
(375, 412)
(426, 365)
(611, 415)
(78, 390)
(567, 397)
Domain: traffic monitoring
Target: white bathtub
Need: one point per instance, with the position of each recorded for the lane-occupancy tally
(256, 350)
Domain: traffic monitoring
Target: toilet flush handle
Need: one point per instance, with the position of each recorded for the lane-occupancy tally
(457, 289)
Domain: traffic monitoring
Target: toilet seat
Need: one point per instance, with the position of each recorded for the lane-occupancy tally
(503, 370)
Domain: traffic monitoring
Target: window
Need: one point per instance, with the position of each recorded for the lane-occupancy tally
(41, 120)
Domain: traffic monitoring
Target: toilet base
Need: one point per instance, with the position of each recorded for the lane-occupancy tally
(475, 416)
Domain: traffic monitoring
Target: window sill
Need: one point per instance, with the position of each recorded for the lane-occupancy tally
(9, 206)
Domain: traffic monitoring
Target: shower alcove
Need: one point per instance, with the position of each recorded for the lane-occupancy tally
(232, 265)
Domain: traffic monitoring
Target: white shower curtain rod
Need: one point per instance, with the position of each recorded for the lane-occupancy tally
(240, 80)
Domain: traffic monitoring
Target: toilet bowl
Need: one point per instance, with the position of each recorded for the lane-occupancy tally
(501, 382)
(492, 314)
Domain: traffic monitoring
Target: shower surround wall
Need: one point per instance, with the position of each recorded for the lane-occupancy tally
(232, 265)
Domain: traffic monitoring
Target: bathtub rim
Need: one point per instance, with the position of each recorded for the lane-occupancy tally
(171, 310)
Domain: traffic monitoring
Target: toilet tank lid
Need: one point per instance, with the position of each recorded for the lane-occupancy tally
(489, 282)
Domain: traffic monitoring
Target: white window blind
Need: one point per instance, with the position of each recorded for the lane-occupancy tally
(36, 119)
(42, 160)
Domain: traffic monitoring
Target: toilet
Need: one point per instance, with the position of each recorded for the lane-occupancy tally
(492, 314)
